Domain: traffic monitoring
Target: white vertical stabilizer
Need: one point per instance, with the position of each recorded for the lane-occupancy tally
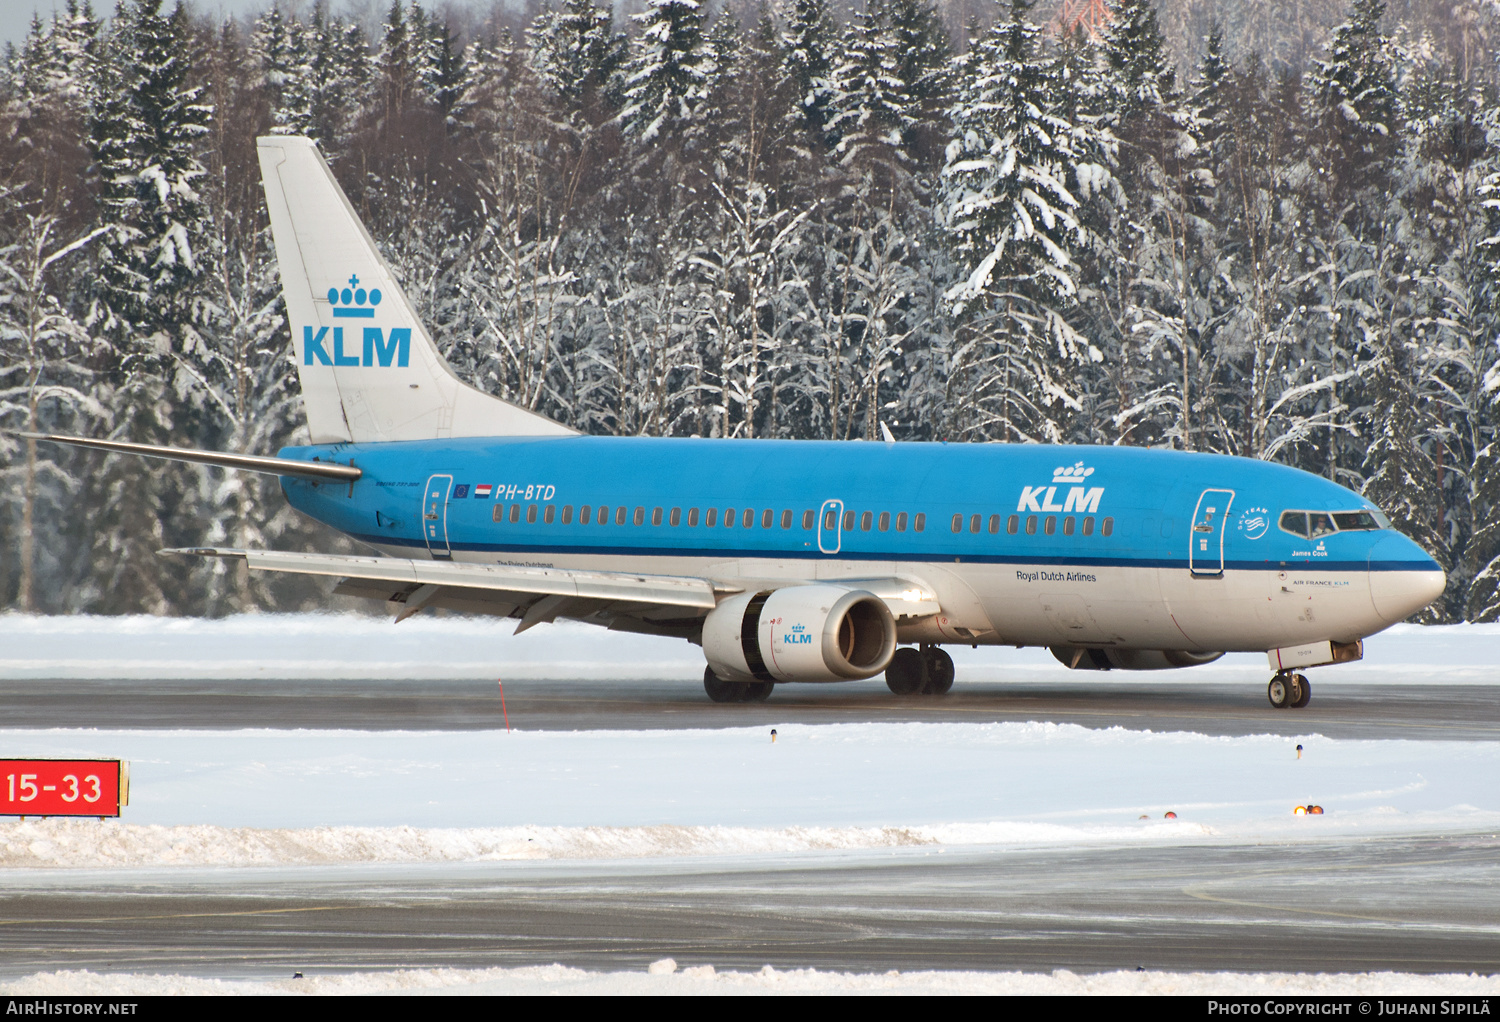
(369, 370)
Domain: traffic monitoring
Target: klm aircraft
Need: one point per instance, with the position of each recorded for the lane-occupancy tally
(788, 561)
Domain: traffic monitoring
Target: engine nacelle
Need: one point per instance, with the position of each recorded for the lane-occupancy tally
(1093, 658)
(800, 633)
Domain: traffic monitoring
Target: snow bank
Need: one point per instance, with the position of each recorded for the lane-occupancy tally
(353, 646)
(665, 977)
(288, 797)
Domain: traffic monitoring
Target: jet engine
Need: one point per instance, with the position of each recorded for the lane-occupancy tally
(1087, 658)
(800, 633)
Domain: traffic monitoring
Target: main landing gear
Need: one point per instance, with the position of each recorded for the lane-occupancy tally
(927, 671)
(1288, 690)
(735, 691)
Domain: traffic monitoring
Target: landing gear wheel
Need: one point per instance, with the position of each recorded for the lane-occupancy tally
(903, 675)
(718, 690)
(938, 676)
(756, 691)
(1280, 691)
(721, 691)
(1304, 692)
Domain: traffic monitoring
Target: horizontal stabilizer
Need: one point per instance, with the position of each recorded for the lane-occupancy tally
(246, 462)
(663, 590)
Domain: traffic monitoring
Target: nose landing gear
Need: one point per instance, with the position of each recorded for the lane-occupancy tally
(927, 671)
(1289, 691)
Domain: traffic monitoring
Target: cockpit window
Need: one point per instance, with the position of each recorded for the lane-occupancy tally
(1320, 523)
(1312, 524)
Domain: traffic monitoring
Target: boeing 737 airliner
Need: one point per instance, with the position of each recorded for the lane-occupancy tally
(788, 561)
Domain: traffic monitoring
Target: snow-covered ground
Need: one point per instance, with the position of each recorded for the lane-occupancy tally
(664, 978)
(284, 797)
(355, 646)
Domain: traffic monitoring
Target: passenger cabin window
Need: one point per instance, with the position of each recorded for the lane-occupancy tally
(729, 518)
(749, 518)
(1031, 525)
(1013, 524)
(549, 514)
(766, 518)
(655, 515)
(1107, 527)
(692, 517)
(848, 521)
(786, 519)
(620, 513)
(958, 523)
(974, 522)
(1088, 525)
(865, 520)
(498, 514)
(585, 514)
(1068, 526)
(884, 524)
(831, 520)
(676, 518)
(919, 523)
(1051, 525)
(711, 517)
(567, 517)
(530, 514)
(994, 523)
(808, 517)
(640, 515)
(901, 522)
(515, 513)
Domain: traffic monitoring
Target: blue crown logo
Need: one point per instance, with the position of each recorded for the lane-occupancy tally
(350, 303)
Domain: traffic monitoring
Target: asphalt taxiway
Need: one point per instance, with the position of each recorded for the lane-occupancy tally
(1412, 905)
(1343, 710)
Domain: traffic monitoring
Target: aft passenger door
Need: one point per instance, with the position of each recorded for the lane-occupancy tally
(435, 516)
(1206, 538)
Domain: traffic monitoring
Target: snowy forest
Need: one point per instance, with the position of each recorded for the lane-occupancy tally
(1257, 237)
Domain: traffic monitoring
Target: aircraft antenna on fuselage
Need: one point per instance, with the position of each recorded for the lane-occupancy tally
(369, 370)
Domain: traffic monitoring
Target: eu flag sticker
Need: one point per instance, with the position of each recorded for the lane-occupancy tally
(460, 491)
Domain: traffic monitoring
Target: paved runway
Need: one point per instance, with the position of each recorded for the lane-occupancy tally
(1456, 712)
(1428, 905)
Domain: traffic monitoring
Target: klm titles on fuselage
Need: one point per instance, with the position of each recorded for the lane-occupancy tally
(1083, 500)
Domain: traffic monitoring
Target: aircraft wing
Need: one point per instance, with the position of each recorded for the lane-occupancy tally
(655, 604)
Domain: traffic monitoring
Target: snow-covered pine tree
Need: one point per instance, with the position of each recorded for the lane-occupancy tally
(577, 54)
(671, 72)
(872, 109)
(1010, 213)
(808, 45)
(149, 123)
(1353, 149)
(1482, 554)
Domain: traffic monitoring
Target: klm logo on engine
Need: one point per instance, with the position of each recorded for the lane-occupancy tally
(798, 636)
(378, 349)
(1082, 499)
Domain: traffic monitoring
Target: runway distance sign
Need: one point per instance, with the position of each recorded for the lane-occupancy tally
(63, 787)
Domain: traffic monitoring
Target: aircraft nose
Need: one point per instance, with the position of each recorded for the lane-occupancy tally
(1403, 578)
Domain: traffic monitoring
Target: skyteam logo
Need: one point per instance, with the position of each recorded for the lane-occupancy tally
(1254, 521)
(350, 302)
(1081, 498)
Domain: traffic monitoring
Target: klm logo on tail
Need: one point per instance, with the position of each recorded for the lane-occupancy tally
(378, 349)
(353, 300)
